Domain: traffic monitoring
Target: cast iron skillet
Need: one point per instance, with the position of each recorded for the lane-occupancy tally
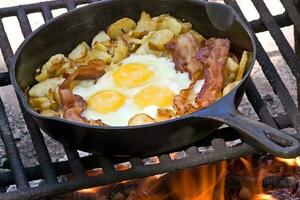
(63, 33)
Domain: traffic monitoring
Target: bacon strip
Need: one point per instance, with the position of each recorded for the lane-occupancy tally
(74, 105)
(183, 103)
(213, 57)
(184, 49)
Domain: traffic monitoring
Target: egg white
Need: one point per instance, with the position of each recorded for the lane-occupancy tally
(164, 74)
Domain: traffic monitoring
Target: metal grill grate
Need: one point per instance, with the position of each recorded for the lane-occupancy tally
(49, 171)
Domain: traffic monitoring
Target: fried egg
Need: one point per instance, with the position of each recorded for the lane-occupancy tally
(139, 84)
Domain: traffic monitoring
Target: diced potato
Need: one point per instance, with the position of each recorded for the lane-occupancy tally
(144, 48)
(56, 66)
(231, 65)
(99, 46)
(79, 52)
(101, 37)
(198, 37)
(230, 87)
(140, 119)
(121, 52)
(49, 113)
(165, 114)
(120, 27)
(41, 89)
(160, 38)
(40, 103)
(102, 55)
(186, 27)
(146, 23)
(168, 22)
(242, 66)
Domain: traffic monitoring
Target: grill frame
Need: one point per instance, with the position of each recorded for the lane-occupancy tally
(49, 171)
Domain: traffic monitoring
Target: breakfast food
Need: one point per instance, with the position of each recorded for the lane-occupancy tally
(137, 73)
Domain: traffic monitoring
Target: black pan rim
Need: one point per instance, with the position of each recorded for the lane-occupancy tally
(27, 107)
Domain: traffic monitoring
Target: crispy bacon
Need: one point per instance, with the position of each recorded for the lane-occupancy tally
(73, 105)
(183, 103)
(184, 49)
(93, 70)
(213, 57)
(73, 112)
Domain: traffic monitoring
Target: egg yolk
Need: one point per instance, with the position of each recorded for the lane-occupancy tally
(132, 75)
(154, 95)
(106, 101)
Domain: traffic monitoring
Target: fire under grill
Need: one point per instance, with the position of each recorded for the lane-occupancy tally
(219, 150)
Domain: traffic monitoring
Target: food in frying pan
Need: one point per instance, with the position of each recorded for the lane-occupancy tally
(137, 73)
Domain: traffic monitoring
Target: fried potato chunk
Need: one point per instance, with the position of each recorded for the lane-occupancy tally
(160, 38)
(79, 52)
(140, 119)
(55, 67)
(165, 114)
(229, 87)
(242, 66)
(170, 23)
(120, 27)
(41, 89)
(101, 37)
(145, 25)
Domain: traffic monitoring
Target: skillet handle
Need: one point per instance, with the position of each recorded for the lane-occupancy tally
(265, 137)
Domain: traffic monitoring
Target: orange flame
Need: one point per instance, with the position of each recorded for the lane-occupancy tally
(207, 182)
(89, 191)
(291, 162)
(263, 197)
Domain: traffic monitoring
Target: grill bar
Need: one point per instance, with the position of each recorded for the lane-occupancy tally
(273, 77)
(75, 162)
(134, 172)
(40, 147)
(71, 4)
(292, 12)
(46, 12)
(24, 22)
(12, 151)
(4, 45)
(35, 133)
(259, 105)
(4, 79)
(282, 20)
(283, 45)
(36, 7)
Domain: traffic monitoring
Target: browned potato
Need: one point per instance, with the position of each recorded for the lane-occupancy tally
(186, 27)
(49, 113)
(165, 114)
(101, 37)
(145, 24)
(41, 89)
(141, 119)
(230, 87)
(231, 65)
(160, 38)
(242, 66)
(120, 27)
(79, 52)
(120, 52)
(168, 22)
(40, 103)
(55, 67)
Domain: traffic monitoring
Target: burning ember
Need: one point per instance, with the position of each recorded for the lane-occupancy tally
(260, 177)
